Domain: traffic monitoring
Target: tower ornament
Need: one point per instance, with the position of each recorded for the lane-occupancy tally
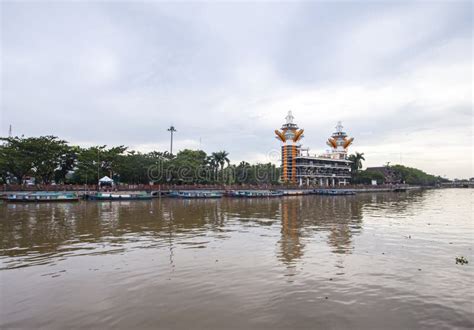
(289, 132)
(339, 142)
(289, 117)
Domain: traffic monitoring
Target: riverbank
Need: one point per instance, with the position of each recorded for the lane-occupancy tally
(163, 188)
(111, 194)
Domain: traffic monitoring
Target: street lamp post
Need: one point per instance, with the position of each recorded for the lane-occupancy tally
(171, 130)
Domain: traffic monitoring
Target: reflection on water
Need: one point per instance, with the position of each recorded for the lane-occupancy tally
(49, 230)
(302, 217)
(372, 260)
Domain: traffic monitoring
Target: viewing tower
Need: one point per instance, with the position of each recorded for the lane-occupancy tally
(289, 135)
(339, 142)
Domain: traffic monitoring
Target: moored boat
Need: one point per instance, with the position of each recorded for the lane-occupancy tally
(296, 192)
(333, 192)
(254, 193)
(102, 196)
(38, 197)
(400, 190)
(195, 194)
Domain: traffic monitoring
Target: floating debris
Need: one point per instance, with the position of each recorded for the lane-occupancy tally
(461, 260)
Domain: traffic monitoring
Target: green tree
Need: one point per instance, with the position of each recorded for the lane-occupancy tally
(220, 159)
(98, 161)
(213, 167)
(48, 154)
(415, 176)
(189, 166)
(110, 159)
(246, 173)
(89, 169)
(36, 156)
(356, 160)
(16, 160)
(4, 175)
(47, 158)
(242, 172)
(366, 177)
(67, 163)
(134, 167)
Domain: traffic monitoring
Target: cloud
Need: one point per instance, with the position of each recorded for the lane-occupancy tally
(398, 75)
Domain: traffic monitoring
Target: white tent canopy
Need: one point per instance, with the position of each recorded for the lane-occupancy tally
(106, 179)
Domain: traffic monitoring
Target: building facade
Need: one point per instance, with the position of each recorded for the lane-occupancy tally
(289, 136)
(322, 171)
(330, 169)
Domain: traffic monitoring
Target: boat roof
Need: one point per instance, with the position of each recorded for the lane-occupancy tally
(41, 193)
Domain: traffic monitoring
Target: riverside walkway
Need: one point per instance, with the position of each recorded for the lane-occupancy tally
(217, 187)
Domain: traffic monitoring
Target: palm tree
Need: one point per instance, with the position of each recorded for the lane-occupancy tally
(224, 159)
(211, 161)
(220, 158)
(242, 172)
(356, 160)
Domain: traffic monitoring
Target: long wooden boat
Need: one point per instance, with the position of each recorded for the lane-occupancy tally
(296, 192)
(400, 190)
(39, 197)
(254, 193)
(333, 192)
(195, 194)
(102, 196)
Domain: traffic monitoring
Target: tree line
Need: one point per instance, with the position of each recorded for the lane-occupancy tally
(398, 173)
(48, 159)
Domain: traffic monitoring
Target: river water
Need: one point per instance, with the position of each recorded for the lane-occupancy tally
(370, 261)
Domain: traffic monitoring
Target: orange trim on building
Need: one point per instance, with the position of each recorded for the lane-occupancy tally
(293, 167)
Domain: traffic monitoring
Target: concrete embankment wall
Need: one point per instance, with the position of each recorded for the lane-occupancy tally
(80, 189)
(388, 189)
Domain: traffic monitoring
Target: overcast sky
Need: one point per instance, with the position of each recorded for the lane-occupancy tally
(399, 76)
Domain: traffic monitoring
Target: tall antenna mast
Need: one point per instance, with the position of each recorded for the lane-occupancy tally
(10, 131)
(171, 130)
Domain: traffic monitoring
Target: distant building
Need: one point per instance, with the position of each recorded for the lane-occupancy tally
(331, 169)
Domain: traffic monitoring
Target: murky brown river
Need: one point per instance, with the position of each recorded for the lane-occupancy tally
(373, 261)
